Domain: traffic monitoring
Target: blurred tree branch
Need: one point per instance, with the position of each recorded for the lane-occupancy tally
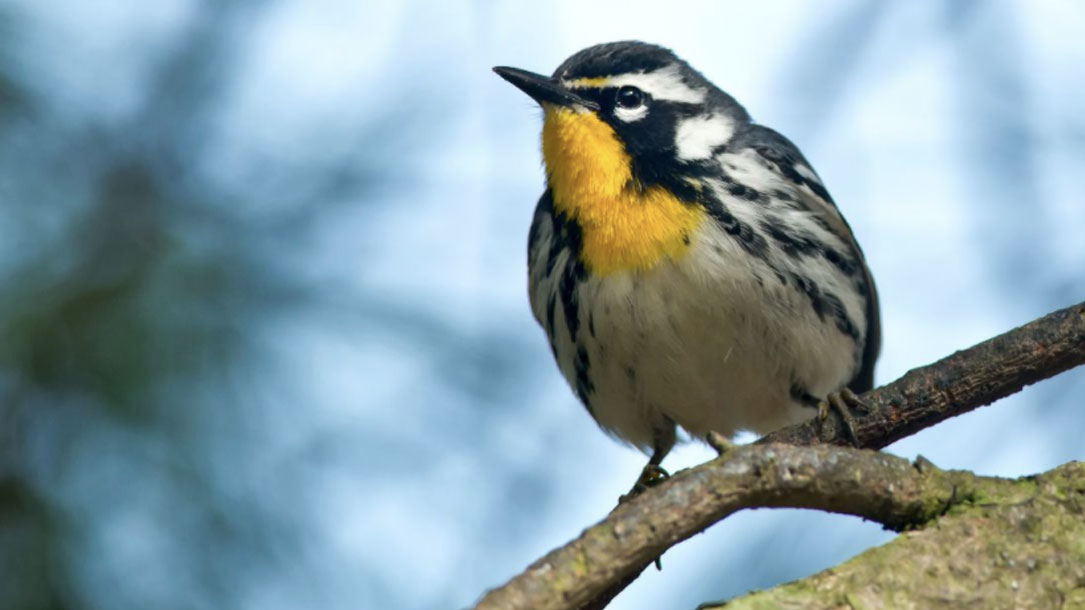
(782, 470)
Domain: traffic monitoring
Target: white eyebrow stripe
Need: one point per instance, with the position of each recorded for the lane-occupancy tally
(663, 84)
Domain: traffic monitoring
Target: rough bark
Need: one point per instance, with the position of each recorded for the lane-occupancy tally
(1012, 544)
(958, 383)
(589, 571)
(864, 483)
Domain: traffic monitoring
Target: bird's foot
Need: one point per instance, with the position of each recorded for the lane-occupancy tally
(652, 475)
(843, 402)
(719, 442)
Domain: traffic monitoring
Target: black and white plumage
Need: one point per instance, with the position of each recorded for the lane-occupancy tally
(764, 308)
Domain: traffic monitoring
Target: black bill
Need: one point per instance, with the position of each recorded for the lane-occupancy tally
(542, 88)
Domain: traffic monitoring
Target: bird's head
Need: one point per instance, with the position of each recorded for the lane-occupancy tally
(627, 114)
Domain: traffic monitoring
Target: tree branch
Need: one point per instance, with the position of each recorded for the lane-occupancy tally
(590, 570)
(871, 485)
(1019, 544)
(958, 383)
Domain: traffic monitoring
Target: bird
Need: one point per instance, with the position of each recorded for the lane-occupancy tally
(687, 264)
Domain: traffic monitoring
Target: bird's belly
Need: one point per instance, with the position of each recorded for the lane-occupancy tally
(711, 342)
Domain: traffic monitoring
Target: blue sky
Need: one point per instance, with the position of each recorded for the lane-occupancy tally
(450, 453)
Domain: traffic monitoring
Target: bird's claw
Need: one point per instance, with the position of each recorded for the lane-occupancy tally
(652, 475)
(843, 402)
(719, 442)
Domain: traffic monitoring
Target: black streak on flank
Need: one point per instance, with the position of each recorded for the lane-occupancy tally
(566, 233)
(567, 236)
(841, 262)
(551, 332)
(543, 211)
(750, 240)
(818, 189)
(744, 192)
(798, 243)
(584, 385)
(787, 165)
(812, 291)
(821, 222)
(826, 303)
(572, 275)
(783, 195)
(793, 244)
(551, 303)
(840, 316)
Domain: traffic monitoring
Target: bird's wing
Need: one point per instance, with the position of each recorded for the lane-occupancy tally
(786, 159)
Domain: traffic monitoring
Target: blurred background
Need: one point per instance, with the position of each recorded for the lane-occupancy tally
(264, 333)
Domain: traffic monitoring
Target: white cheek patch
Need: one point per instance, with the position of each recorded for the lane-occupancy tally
(696, 137)
(663, 84)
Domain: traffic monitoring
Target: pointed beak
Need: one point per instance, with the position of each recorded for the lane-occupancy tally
(543, 88)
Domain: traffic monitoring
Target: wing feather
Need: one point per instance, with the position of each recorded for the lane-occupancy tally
(789, 162)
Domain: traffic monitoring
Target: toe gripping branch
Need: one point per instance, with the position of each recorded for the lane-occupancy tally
(843, 402)
(652, 475)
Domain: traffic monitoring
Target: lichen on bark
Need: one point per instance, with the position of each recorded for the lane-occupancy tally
(1013, 544)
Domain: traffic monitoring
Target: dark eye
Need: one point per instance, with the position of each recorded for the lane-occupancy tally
(629, 97)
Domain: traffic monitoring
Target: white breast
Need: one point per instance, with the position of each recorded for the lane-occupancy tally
(713, 342)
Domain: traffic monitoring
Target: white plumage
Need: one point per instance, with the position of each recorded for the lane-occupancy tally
(713, 341)
(741, 319)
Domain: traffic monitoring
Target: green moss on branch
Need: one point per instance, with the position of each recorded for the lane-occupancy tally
(1013, 544)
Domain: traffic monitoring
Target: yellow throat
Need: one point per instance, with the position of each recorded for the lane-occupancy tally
(589, 172)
